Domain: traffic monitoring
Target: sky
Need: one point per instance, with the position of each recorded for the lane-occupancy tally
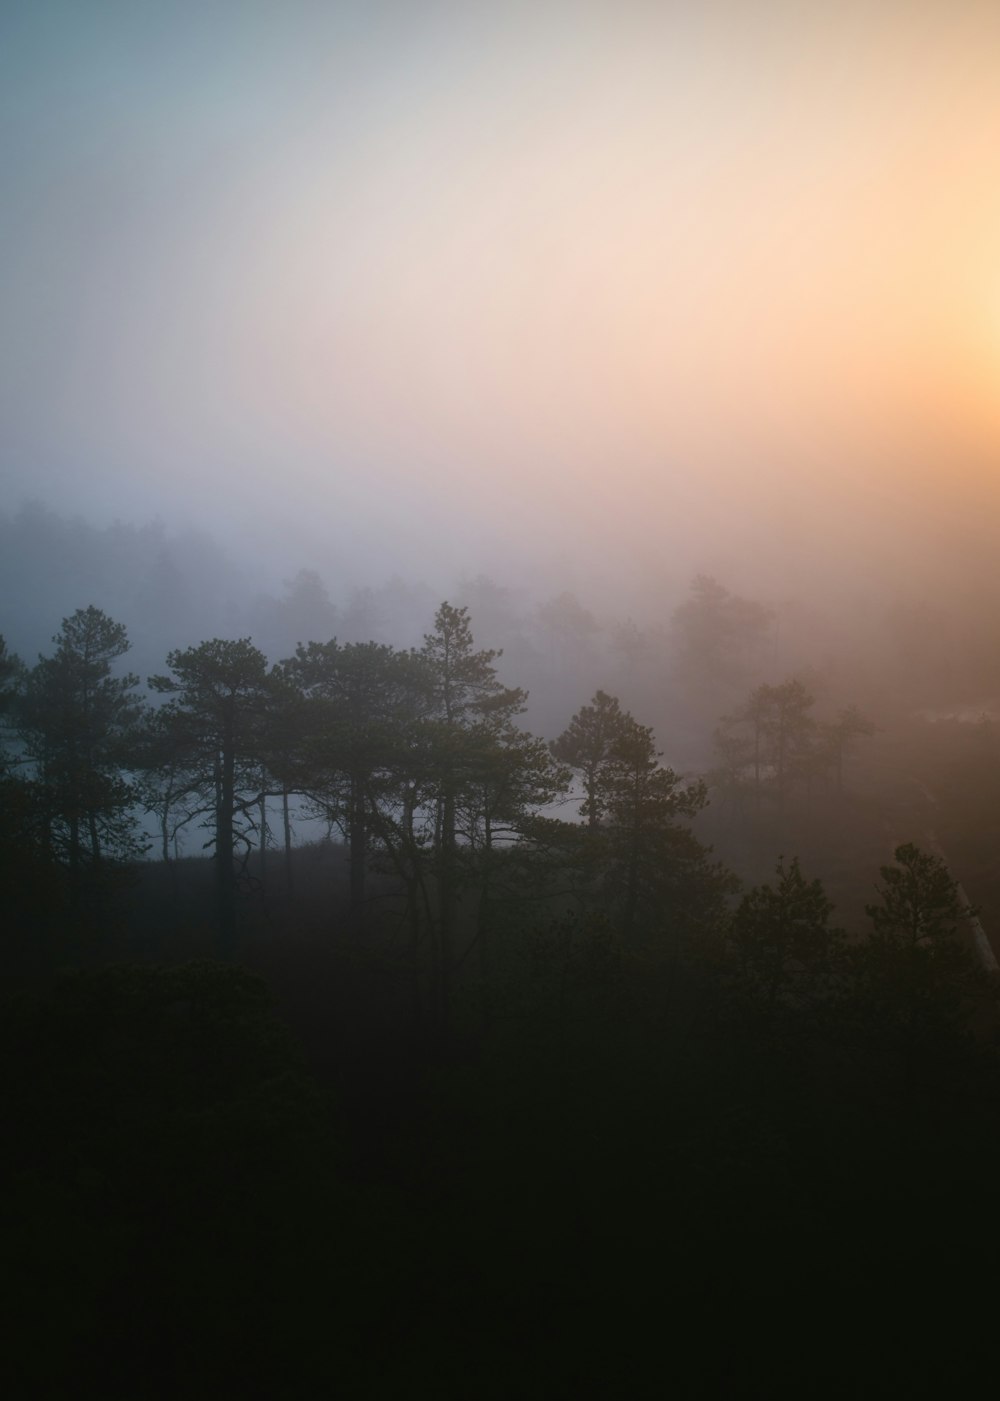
(612, 290)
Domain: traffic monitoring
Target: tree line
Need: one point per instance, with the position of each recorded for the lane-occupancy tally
(416, 757)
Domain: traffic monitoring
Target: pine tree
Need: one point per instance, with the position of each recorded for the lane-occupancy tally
(222, 698)
(352, 741)
(78, 722)
(466, 698)
(634, 808)
(919, 900)
(786, 948)
(587, 744)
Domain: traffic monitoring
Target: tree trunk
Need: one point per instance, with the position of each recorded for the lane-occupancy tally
(358, 843)
(287, 824)
(263, 825)
(225, 884)
(632, 865)
(446, 907)
(484, 932)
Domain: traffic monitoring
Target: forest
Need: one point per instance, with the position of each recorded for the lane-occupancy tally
(357, 1037)
(499, 699)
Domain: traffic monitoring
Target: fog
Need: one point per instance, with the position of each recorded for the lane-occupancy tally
(576, 962)
(584, 297)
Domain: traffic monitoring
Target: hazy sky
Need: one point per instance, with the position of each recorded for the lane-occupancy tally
(630, 282)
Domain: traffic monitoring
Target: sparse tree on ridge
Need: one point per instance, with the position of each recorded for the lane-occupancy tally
(840, 734)
(720, 638)
(914, 974)
(918, 901)
(643, 804)
(78, 721)
(568, 625)
(465, 693)
(786, 948)
(634, 808)
(790, 728)
(773, 743)
(587, 744)
(778, 729)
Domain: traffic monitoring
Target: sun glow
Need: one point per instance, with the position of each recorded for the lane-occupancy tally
(650, 241)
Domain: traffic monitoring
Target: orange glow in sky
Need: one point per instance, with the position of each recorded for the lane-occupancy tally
(659, 258)
(592, 261)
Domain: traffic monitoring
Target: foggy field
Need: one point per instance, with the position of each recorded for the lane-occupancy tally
(500, 698)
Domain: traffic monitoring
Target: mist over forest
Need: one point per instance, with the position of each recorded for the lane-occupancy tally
(516, 922)
(499, 698)
(921, 637)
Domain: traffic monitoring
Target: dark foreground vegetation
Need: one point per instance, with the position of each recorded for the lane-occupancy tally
(478, 1101)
